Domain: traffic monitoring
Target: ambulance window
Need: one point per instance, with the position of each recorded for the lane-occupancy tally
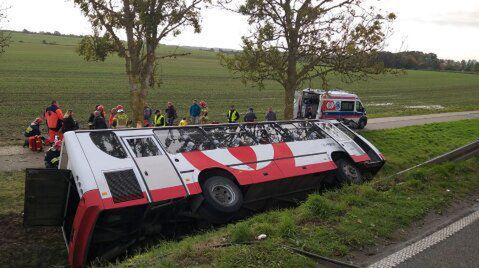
(347, 106)
(359, 107)
(229, 136)
(143, 147)
(109, 143)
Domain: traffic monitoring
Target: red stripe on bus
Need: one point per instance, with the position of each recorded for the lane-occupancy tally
(360, 158)
(168, 193)
(194, 188)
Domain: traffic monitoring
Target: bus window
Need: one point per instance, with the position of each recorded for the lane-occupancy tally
(186, 139)
(347, 106)
(268, 133)
(109, 143)
(224, 136)
(301, 131)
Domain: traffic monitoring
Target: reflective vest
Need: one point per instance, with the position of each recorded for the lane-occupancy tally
(233, 116)
(121, 120)
(159, 121)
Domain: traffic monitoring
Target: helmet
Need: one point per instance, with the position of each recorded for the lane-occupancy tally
(119, 107)
(100, 108)
(38, 120)
(202, 103)
(57, 145)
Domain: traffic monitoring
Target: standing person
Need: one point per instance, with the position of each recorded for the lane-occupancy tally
(195, 111)
(232, 115)
(99, 122)
(69, 124)
(147, 113)
(270, 115)
(183, 122)
(170, 114)
(204, 112)
(250, 116)
(92, 116)
(159, 119)
(54, 117)
(309, 113)
(113, 112)
(121, 119)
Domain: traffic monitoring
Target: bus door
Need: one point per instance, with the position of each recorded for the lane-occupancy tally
(160, 176)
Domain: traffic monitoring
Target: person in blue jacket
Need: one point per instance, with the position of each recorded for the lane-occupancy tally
(195, 111)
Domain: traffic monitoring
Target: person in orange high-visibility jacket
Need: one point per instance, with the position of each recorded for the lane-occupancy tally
(54, 117)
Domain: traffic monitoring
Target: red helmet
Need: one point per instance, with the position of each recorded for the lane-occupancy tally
(100, 108)
(57, 145)
(38, 120)
(119, 107)
(202, 103)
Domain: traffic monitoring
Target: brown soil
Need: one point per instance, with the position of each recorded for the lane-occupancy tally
(18, 158)
(30, 247)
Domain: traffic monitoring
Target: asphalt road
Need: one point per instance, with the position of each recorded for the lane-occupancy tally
(459, 250)
(404, 121)
(455, 245)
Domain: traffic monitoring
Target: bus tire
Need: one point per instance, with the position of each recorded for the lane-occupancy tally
(347, 172)
(222, 195)
(362, 123)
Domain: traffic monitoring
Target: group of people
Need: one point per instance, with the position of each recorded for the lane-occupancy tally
(59, 123)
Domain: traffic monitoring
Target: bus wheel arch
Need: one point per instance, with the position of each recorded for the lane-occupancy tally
(347, 171)
(222, 194)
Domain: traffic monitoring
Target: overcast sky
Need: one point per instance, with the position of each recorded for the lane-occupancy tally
(447, 28)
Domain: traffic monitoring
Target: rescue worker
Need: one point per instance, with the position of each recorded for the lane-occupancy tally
(170, 114)
(270, 115)
(92, 116)
(147, 113)
(54, 117)
(183, 122)
(33, 130)
(250, 116)
(195, 112)
(309, 113)
(121, 119)
(52, 156)
(99, 122)
(69, 124)
(113, 112)
(159, 119)
(204, 112)
(232, 115)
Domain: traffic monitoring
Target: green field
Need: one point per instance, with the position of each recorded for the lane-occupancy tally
(33, 73)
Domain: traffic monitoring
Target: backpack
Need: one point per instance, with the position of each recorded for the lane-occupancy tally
(35, 143)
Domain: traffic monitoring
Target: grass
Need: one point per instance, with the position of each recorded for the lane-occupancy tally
(33, 73)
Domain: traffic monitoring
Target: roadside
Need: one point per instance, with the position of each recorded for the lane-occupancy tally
(18, 158)
(414, 120)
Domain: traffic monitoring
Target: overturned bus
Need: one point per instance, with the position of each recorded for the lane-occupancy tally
(115, 187)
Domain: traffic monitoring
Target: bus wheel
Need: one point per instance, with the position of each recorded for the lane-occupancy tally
(348, 172)
(222, 195)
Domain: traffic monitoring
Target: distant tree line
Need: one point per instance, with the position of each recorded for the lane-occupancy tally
(416, 60)
(55, 33)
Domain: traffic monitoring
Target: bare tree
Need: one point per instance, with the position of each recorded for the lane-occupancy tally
(144, 24)
(5, 37)
(293, 41)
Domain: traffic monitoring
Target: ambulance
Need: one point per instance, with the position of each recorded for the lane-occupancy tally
(114, 188)
(334, 104)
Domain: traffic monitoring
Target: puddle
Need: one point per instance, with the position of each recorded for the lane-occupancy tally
(426, 107)
(380, 104)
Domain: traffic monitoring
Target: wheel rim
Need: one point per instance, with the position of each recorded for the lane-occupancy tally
(351, 172)
(223, 194)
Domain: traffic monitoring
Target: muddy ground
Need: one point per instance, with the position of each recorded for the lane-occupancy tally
(18, 158)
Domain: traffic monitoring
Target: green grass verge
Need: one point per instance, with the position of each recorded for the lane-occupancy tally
(33, 73)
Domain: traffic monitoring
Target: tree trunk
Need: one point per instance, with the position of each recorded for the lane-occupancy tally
(288, 102)
(138, 100)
